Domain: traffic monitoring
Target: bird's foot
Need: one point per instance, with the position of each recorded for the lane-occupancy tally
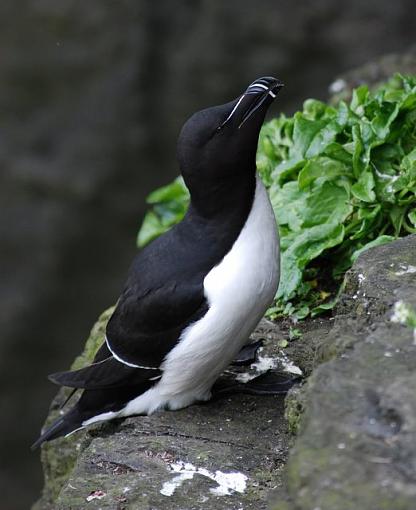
(248, 354)
(269, 383)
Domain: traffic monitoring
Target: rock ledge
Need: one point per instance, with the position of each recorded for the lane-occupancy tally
(355, 419)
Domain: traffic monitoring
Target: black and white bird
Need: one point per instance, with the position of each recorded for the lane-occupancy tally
(195, 294)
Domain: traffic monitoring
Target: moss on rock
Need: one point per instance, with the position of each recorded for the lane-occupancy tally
(59, 457)
(94, 341)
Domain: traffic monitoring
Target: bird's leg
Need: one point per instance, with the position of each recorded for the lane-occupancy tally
(270, 383)
(248, 354)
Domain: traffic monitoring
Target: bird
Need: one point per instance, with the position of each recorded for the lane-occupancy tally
(194, 295)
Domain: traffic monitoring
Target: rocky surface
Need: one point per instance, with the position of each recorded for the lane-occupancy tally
(373, 73)
(226, 454)
(355, 420)
(356, 416)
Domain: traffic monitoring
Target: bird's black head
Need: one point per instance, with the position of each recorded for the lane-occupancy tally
(219, 144)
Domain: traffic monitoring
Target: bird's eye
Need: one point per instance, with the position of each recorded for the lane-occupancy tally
(214, 132)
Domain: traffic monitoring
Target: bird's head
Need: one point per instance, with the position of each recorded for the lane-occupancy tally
(220, 143)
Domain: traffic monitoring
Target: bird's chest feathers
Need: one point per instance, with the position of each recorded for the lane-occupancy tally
(247, 277)
(238, 289)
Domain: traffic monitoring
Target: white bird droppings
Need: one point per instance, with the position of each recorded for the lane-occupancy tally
(227, 482)
(288, 365)
(405, 270)
(96, 495)
(266, 363)
(186, 472)
(403, 314)
(261, 366)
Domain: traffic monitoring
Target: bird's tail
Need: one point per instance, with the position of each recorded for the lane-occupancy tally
(102, 404)
(107, 386)
(63, 426)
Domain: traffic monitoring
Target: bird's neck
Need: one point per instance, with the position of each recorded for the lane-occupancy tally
(228, 197)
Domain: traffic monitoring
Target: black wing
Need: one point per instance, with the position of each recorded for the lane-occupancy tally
(144, 328)
(164, 293)
(103, 373)
(141, 331)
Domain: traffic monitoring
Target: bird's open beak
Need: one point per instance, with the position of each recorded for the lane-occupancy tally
(260, 91)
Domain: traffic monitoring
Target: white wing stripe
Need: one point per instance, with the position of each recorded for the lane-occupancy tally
(117, 357)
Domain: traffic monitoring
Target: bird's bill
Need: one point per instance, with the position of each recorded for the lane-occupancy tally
(260, 91)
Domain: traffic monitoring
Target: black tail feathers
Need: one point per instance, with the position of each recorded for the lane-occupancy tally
(90, 404)
(64, 425)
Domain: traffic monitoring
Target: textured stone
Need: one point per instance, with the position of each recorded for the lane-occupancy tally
(355, 418)
(356, 446)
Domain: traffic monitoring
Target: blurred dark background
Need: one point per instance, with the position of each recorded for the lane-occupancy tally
(92, 95)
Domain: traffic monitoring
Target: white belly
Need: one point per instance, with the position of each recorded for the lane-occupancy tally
(238, 290)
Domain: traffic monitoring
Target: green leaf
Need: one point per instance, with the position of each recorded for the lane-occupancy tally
(358, 149)
(304, 131)
(301, 312)
(412, 216)
(288, 202)
(338, 152)
(324, 307)
(383, 119)
(322, 139)
(359, 98)
(314, 109)
(310, 243)
(322, 167)
(327, 203)
(286, 169)
(151, 228)
(174, 191)
(396, 214)
(169, 206)
(363, 188)
(294, 333)
(409, 163)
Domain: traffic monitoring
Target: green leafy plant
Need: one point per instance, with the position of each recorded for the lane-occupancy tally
(341, 179)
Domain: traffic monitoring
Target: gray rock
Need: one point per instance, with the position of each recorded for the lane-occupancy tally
(355, 419)
(373, 73)
(356, 446)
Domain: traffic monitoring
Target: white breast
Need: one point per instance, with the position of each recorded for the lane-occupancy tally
(238, 290)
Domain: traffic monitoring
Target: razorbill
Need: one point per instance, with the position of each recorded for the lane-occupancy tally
(194, 295)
